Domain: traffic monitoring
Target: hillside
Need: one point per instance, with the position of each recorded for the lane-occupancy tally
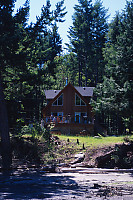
(28, 152)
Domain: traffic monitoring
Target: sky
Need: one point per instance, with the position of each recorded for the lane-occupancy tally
(36, 5)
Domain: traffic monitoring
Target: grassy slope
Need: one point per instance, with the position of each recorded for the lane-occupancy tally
(62, 150)
(94, 141)
(65, 150)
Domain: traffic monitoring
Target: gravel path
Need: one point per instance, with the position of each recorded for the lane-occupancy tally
(78, 185)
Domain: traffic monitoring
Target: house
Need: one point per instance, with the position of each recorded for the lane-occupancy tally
(69, 110)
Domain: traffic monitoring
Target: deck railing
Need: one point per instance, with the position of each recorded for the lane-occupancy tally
(67, 119)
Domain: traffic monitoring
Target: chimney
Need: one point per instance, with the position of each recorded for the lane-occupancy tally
(66, 81)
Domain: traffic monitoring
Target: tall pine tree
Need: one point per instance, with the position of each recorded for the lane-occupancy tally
(87, 38)
(21, 50)
(117, 87)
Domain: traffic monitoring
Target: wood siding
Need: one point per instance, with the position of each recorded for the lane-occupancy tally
(68, 107)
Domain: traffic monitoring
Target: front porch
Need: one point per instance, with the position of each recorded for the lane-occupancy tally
(70, 125)
(73, 129)
(68, 119)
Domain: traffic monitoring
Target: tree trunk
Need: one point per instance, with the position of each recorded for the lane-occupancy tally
(120, 125)
(4, 131)
(79, 73)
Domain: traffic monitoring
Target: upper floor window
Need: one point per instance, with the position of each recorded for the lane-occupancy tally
(79, 101)
(58, 101)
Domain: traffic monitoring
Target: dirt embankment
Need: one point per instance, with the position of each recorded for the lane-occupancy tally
(36, 183)
(35, 152)
(116, 156)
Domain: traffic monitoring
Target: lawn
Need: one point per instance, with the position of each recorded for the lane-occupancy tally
(63, 150)
(94, 141)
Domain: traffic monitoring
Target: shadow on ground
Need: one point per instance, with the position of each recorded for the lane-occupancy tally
(24, 184)
(36, 186)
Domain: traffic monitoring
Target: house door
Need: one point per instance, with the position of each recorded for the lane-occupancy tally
(77, 117)
(84, 117)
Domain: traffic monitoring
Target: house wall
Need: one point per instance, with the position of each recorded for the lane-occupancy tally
(68, 101)
(74, 129)
(68, 104)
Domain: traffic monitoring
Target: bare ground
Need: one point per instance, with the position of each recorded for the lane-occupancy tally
(29, 178)
(36, 184)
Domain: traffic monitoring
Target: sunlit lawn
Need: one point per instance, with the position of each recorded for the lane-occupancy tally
(94, 141)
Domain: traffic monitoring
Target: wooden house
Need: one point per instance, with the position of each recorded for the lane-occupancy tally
(69, 110)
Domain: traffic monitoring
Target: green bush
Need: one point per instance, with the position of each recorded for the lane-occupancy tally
(33, 129)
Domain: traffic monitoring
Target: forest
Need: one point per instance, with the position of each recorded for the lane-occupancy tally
(99, 54)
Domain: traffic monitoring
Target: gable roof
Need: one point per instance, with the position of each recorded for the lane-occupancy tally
(84, 91)
(51, 94)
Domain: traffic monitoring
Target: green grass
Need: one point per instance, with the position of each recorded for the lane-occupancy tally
(94, 142)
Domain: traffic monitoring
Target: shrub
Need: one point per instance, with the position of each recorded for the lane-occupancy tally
(33, 129)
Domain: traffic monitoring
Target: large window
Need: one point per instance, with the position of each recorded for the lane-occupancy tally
(80, 117)
(77, 117)
(79, 101)
(58, 101)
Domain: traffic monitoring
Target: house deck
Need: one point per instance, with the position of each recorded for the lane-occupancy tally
(70, 125)
(73, 129)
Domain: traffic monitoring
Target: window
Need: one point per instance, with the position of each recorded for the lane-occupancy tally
(60, 115)
(79, 101)
(55, 103)
(77, 117)
(58, 101)
(81, 117)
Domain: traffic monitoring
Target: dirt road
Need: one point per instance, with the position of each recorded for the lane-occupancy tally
(78, 185)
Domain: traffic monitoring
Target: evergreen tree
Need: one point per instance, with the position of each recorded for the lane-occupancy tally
(7, 52)
(66, 69)
(116, 99)
(80, 35)
(21, 50)
(87, 38)
(100, 28)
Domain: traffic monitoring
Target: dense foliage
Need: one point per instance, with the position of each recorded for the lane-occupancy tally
(99, 54)
(27, 59)
(27, 55)
(87, 38)
(114, 95)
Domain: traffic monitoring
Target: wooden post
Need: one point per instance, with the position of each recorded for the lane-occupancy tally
(78, 141)
(68, 140)
(83, 146)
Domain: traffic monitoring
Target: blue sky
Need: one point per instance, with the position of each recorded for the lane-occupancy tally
(35, 10)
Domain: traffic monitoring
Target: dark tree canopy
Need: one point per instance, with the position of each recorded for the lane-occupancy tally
(27, 53)
(87, 38)
(117, 87)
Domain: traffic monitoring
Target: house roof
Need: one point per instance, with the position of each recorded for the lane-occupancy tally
(84, 91)
(51, 94)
